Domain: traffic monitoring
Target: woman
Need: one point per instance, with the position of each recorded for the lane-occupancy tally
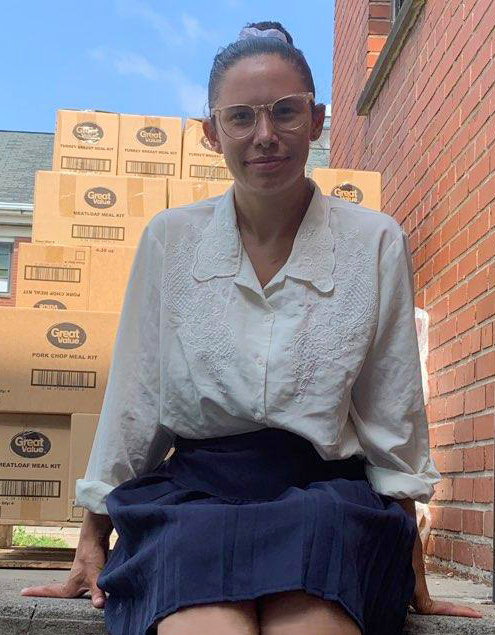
(269, 336)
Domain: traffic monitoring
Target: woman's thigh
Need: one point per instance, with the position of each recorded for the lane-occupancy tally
(296, 612)
(227, 618)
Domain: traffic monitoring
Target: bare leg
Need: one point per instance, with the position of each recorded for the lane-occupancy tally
(296, 612)
(227, 618)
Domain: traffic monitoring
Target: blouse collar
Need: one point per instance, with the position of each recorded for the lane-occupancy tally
(312, 258)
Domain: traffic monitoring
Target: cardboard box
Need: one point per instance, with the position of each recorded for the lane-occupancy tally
(185, 192)
(53, 361)
(110, 268)
(150, 146)
(354, 186)
(53, 277)
(83, 430)
(86, 141)
(87, 209)
(199, 161)
(34, 466)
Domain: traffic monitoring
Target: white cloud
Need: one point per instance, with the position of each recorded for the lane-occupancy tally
(158, 22)
(194, 30)
(192, 96)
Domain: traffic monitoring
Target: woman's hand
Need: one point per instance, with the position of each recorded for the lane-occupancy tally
(90, 558)
(424, 605)
(88, 562)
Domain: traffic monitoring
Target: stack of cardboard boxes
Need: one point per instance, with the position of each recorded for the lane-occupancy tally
(111, 174)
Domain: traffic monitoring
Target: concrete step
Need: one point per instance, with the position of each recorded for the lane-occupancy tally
(45, 616)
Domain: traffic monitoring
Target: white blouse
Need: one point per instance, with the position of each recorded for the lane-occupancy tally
(327, 349)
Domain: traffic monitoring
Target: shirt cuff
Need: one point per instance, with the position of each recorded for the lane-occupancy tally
(418, 487)
(92, 495)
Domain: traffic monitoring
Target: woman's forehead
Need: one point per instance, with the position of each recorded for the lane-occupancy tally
(259, 79)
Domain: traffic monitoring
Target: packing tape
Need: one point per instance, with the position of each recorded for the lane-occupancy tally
(53, 253)
(200, 191)
(30, 510)
(67, 194)
(135, 196)
(152, 122)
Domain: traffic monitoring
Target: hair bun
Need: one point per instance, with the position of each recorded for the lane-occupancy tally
(266, 29)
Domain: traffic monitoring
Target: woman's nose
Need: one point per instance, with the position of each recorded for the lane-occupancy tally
(264, 132)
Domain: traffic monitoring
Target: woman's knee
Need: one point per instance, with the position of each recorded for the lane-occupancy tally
(227, 618)
(295, 612)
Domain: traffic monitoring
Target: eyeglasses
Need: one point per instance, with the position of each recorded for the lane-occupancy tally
(287, 113)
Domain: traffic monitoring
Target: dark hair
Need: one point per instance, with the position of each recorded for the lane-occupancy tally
(228, 56)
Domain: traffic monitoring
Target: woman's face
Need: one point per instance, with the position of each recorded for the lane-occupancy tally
(262, 80)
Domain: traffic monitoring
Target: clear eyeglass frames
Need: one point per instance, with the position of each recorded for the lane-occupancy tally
(287, 113)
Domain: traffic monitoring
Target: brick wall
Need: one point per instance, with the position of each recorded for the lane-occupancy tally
(431, 134)
(10, 301)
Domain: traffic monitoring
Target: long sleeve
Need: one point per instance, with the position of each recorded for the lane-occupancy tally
(387, 405)
(129, 439)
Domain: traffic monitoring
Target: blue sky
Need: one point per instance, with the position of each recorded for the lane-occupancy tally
(136, 56)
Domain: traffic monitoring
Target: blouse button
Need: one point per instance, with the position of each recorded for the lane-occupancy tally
(267, 318)
(258, 414)
(259, 360)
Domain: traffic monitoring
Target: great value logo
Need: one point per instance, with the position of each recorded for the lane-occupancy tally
(49, 304)
(30, 444)
(151, 136)
(66, 335)
(100, 197)
(88, 132)
(348, 192)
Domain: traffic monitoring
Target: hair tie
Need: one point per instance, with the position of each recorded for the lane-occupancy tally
(249, 32)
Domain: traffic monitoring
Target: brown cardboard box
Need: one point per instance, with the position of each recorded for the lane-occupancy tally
(110, 268)
(34, 466)
(150, 146)
(86, 141)
(199, 161)
(83, 430)
(185, 192)
(53, 361)
(53, 277)
(354, 186)
(87, 209)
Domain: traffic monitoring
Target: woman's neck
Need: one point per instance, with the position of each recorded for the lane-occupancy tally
(269, 218)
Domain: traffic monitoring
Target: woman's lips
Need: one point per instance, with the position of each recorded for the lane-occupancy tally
(266, 164)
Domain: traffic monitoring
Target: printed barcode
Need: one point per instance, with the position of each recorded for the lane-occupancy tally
(52, 274)
(37, 489)
(85, 164)
(98, 232)
(148, 167)
(209, 172)
(63, 378)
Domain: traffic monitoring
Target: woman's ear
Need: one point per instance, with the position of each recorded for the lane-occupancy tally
(211, 134)
(317, 122)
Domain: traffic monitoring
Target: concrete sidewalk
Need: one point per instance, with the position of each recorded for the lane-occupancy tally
(44, 616)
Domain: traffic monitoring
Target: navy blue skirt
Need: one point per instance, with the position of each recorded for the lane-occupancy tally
(237, 517)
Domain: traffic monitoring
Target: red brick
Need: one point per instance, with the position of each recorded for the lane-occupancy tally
(489, 456)
(490, 395)
(483, 427)
(380, 11)
(474, 459)
(444, 490)
(439, 311)
(478, 284)
(485, 365)
(439, 458)
(466, 346)
(488, 524)
(472, 522)
(454, 406)
(483, 490)
(486, 336)
(462, 552)
(483, 557)
(436, 517)
(456, 351)
(445, 382)
(486, 248)
(436, 409)
(468, 211)
(445, 434)
(443, 257)
(475, 340)
(457, 298)
(485, 307)
(379, 27)
(479, 172)
(486, 192)
(465, 320)
(452, 519)
(443, 548)
(453, 460)
(474, 400)
(463, 489)
(446, 331)
(463, 431)
(467, 265)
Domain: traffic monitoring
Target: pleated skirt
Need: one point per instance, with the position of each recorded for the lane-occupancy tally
(238, 517)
